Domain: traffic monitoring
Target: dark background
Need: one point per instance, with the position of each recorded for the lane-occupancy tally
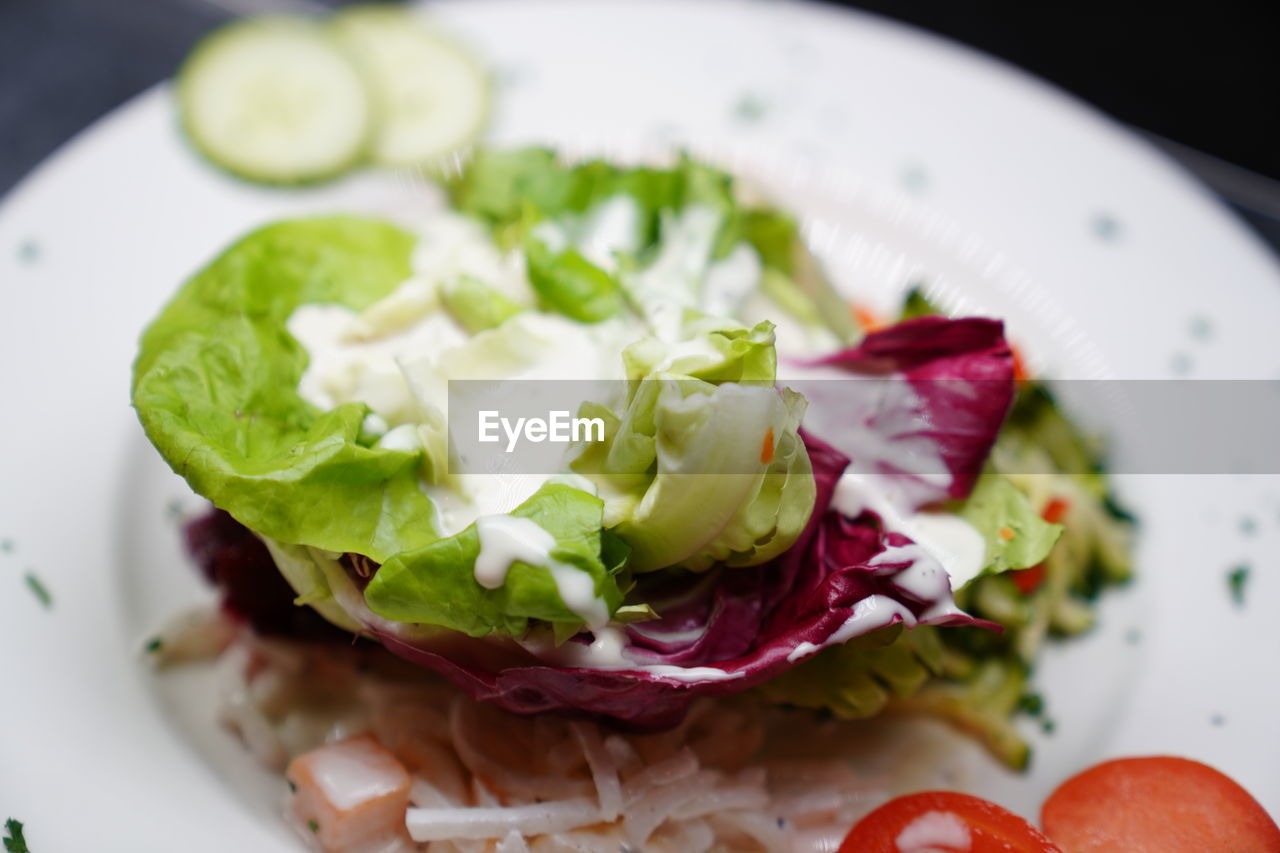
(1201, 78)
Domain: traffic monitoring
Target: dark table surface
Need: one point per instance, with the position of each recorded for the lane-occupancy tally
(1199, 80)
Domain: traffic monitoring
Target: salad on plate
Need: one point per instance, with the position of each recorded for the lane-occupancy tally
(786, 515)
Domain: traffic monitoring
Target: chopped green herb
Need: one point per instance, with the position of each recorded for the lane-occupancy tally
(313, 826)
(293, 789)
(1032, 703)
(29, 252)
(1048, 727)
(14, 841)
(154, 645)
(39, 590)
(6, 545)
(174, 510)
(1237, 578)
(1248, 526)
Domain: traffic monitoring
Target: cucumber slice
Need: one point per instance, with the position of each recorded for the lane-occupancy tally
(275, 100)
(430, 96)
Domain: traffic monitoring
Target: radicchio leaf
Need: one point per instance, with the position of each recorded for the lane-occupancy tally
(923, 403)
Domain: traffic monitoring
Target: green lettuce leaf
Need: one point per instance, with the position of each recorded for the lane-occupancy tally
(567, 282)
(215, 386)
(518, 193)
(436, 584)
(304, 572)
(1016, 536)
(514, 189)
(703, 464)
(475, 305)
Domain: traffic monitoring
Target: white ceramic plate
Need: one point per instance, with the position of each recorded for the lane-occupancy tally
(908, 156)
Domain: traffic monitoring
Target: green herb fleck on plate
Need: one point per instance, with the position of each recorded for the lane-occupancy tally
(915, 178)
(1032, 703)
(14, 841)
(38, 589)
(6, 545)
(750, 108)
(1237, 578)
(1106, 227)
(154, 645)
(313, 826)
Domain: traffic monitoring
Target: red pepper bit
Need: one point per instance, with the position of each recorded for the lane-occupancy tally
(1028, 580)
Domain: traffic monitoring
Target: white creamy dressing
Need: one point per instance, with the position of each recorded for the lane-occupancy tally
(451, 244)
(730, 280)
(505, 540)
(900, 441)
(342, 368)
(610, 228)
(609, 651)
(925, 578)
(401, 369)
(468, 497)
(869, 614)
(683, 277)
(943, 537)
(404, 437)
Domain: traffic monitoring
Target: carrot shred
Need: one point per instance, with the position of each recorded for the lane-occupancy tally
(766, 449)
(1020, 371)
(865, 317)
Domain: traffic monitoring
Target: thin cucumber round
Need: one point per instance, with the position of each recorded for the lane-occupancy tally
(430, 96)
(275, 100)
